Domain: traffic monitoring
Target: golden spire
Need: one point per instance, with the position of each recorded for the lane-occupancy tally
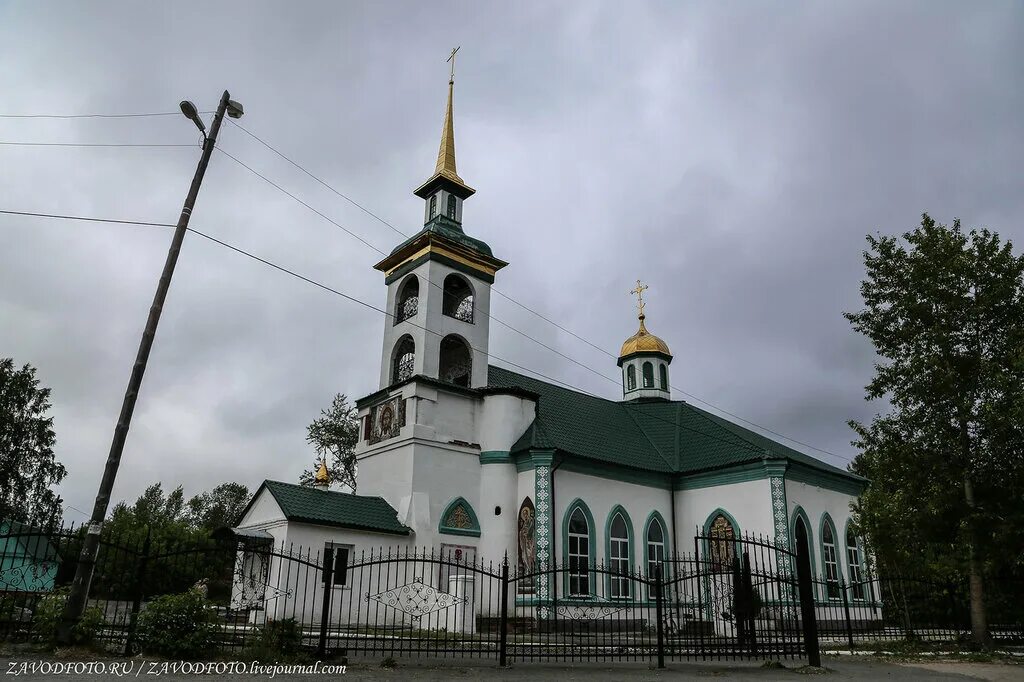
(446, 153)
(322, 476)
(445, 167)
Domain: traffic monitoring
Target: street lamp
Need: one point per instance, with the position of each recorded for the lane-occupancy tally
(87, 560)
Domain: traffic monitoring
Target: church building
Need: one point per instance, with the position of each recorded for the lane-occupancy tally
(458, 454)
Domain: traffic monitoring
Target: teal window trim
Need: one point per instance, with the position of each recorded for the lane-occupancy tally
(826, 521)
(867, 590)
(473, 531)
(591, 552)
(630, 553)
(799, 513)
(656, 517)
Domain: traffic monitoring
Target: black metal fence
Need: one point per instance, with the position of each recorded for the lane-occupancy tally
(730, 598)
(906, 608)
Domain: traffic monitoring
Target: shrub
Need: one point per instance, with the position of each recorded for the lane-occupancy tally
(50, 611)
(277, 641)
(178, 625)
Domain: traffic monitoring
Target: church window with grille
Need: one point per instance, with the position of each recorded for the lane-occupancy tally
(458, 298)
(405, 357)
(408, 299)
(451, 206)
(828, 555)
(456, 361)
(663, 370)
(618, 558)
(722, 539)
(648, 375)
(630, 378)
(433, 206)
(853, 559)
(579, 554)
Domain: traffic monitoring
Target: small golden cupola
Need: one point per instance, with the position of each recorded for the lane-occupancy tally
(322, 479)
(644, 359)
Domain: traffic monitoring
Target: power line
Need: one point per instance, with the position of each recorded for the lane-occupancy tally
(434, 284)
(503, 295)
(64, 116)
(733, 441)
(368, 244)
(343, 196)
(85, 144)
(69, 116)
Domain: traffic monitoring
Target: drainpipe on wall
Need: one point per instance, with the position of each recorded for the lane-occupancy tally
(554, 525)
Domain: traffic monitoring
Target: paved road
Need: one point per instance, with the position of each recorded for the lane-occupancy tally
(839, 668)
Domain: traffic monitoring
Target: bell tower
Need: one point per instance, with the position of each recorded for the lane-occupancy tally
(439, 283)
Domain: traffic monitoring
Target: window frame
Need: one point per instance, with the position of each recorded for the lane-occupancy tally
(349, 549)
(619, 575)
(831, 569)
(574, 558)
(663, 375)
(630, 377)
(647, 371)
(397, 354)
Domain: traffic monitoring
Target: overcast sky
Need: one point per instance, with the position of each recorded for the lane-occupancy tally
(732, 155)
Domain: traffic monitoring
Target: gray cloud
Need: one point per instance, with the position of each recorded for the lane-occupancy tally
(733, 155)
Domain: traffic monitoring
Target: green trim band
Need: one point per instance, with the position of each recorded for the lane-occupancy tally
(495, 457)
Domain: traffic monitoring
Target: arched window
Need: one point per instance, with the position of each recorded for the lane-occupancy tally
(433, 206)
(828, 558)
(408, 299)
(722, 543)
(648, 375)
(655, 545)
(451, 206)
(663, 370)
(630, 378)
(456, 361)
(801, 535)
(619, 583)
(403, 360)
(458, 298)
(853, 560)
(578, 554)
(459, 519)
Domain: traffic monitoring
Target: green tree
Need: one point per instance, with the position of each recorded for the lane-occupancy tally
(945, 312)
(219, 507)
(334, 435)
(28, 467)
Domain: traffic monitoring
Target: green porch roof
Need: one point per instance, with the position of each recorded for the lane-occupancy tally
(672, 437)
(332, 508)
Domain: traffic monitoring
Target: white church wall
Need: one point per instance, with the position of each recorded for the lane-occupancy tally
(503, 419)
(748, 502)
(455, 417)
(601, 495)
(264, 510)
(443, 473)
(498, 488)
(816, 502)
(387, 471)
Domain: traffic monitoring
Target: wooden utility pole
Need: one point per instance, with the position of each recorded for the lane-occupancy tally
(87, 560)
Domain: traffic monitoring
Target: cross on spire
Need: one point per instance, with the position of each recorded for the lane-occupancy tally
(451, 58)
(639, 291)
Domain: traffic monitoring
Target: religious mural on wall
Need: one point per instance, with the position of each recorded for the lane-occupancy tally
(527, 541)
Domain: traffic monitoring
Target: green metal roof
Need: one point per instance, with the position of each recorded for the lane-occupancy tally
(332, 508)
(451, 230)
(650, 435)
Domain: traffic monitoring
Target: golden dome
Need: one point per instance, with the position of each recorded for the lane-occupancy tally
(321, 475)
(643, 342)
